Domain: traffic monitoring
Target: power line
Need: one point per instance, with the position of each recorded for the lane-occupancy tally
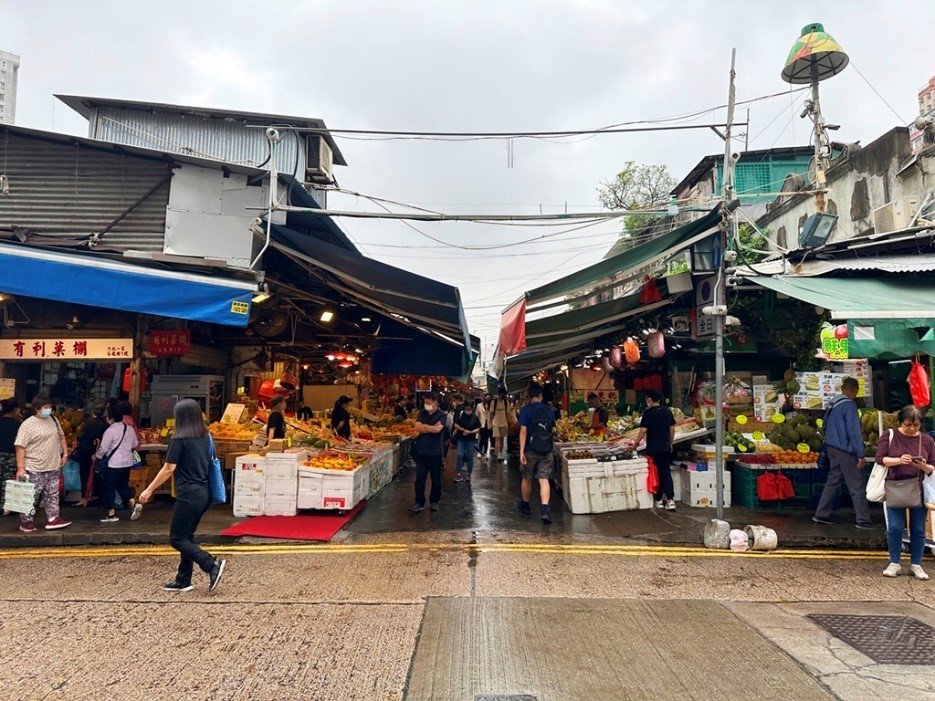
(898, 116)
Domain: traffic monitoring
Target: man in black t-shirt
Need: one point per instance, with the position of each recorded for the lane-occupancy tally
(400, 410)
(428, 451)
(658, 427)
(464, 433)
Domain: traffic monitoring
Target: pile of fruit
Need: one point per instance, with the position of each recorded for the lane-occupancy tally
(329, 460)
(794, 431)
(232, 432)
(579, 455)
(759, 459)
(736, 440)
(870, 425)
(794, 457)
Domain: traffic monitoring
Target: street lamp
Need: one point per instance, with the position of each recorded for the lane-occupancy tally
(815, 56)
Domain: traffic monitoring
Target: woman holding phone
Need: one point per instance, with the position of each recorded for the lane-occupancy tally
(908, 454)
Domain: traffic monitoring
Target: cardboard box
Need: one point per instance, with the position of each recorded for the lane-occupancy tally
(705, 499)
(155, 458)
(247, 505)
(277, 445)
(230, 460)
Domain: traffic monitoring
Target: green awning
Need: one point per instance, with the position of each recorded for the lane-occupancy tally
(890, 339)
(629, 262)
(896, 297)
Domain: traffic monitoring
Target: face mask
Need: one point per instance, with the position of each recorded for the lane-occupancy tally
(429, 408)
(45, 412)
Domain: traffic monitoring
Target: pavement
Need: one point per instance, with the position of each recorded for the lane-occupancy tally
(483, 510)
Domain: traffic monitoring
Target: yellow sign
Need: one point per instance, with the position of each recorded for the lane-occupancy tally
(779, 418)
(741, 419)
(758, 435)
(803, 448)
(742, 448)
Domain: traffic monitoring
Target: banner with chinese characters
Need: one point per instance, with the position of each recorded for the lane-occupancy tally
(168, 343)
(52, 349)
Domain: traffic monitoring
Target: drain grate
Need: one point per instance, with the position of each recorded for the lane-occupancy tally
(884, 639)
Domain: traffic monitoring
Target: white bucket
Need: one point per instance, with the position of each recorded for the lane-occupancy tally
(717, 534)
(761, 537)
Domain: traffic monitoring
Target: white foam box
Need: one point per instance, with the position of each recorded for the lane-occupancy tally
(279, 506)
(284, 466)
(340, 489)
(248, 488)
(248, 505)
(281, 487)
(677, 482)
(250, 468)
(703, 481)
(705, 498)
(596, 492)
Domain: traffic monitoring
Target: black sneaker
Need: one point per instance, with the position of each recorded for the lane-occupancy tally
(546, 515)
(459, 478)
(216, 573)
(823, 521)
(417, 507)
(433, 506)
(866, 526)
(524, 508)
(176, 586)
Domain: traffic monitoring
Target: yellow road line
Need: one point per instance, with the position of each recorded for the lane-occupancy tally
(118, 551)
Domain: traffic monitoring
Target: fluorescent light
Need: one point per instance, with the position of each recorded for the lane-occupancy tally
(326, 315)
(260, 297)
(366, 318)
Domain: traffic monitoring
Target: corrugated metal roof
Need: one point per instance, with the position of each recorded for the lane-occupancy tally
(85, 105)
(914, 263)
(67, 189)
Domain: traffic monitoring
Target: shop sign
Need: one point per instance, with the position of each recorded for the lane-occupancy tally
(607, 396)
(704, 296)
(53, 349)
(169, 343)
(834, 348)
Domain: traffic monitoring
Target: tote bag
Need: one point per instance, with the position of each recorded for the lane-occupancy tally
(215, 476)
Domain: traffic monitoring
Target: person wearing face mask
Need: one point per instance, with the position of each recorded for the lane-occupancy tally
(464, 434)
(428, 450)
(41, 452)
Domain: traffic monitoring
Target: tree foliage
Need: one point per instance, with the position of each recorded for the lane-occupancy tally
(637, 186)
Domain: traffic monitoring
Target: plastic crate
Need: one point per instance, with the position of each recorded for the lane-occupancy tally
(20, 497)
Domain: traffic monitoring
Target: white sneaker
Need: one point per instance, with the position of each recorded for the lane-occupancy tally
(670, 505)
(893, 570)
(917, 572)
(137, 510)
(660, 505)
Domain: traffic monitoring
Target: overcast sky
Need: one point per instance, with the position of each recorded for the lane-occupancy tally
(472, 66)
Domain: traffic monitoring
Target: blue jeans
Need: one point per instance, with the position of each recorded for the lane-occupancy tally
(896, 518)
(466, 451)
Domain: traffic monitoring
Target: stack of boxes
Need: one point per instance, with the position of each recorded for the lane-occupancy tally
(336, 491)
(699, 488)
(249, 485)
(282, 474)
(592, 487)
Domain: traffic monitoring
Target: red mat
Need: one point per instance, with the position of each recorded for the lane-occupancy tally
(304, 527)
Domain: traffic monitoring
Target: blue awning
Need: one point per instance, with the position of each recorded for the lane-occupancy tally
(99, 282)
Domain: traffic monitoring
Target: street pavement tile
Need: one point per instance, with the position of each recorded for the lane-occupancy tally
(329, 576)
(586, 649)
(191, 650)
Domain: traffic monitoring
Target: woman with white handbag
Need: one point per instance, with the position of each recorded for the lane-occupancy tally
(909, 455)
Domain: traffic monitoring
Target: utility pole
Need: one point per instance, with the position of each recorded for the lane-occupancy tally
(720, 291)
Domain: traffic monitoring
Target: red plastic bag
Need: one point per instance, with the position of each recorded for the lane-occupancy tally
(784, 486)
(767, 488)
(919, 385)
(652, 477)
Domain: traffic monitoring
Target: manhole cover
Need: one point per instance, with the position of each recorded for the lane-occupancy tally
(884, 639)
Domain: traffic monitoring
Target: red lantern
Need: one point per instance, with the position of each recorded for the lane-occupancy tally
(616, 357)
(631, 351)
(656, 344)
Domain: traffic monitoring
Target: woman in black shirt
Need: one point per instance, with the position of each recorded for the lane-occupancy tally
(189, 460)
(340, 418)
(276, 423)
(9, 426)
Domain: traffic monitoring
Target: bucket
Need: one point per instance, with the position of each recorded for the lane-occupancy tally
(761, 537)
(717, 534)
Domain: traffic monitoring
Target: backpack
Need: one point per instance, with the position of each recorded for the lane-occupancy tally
(540, 430)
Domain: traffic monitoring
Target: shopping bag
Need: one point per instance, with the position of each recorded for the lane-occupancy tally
(137, 460)
(216, 476)
(767, 488)
(784, 486)
(876, 485)
(928, 491)
(919, 385)
(71, 475)
(19, 496)
(652, 476)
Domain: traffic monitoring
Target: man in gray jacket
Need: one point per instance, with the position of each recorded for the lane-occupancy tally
(844, 443)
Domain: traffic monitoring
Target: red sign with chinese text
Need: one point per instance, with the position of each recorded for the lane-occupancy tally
(169, 343)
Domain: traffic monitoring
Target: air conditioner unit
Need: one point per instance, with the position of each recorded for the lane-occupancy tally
(318, 159)
(895, 215)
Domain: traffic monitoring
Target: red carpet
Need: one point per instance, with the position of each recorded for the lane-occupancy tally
(305, 527)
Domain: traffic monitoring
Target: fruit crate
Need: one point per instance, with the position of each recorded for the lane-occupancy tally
(743, 487)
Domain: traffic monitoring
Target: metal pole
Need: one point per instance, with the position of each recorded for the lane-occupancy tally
(720, 298)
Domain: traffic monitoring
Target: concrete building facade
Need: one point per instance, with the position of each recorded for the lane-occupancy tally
(9, 73)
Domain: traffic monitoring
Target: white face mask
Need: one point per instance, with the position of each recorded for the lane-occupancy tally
(430, 408)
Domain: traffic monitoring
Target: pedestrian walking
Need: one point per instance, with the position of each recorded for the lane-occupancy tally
(189, 461)
(536, 451)
(500, 409)
(41, 452)
(429, 449)
(116, 449)
(464, 433)
(658, 428)
(483, 438)
(844, 443)
(909, 455)
(10, 421)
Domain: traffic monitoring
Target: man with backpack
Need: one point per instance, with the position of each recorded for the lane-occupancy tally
(844, 444)
(536, 448)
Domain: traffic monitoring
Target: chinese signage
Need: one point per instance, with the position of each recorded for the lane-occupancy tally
(174, 342)
(66, 349)
(704, 296)
(834, 348)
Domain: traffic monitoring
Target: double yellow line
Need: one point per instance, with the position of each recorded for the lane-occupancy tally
(118, 551)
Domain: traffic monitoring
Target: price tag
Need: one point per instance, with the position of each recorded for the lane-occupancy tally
(170, 423)
(819, 422)
(164, 432)
(741, 419)
(779, 418)
(742, 448)
(803, 448)
(758, 435)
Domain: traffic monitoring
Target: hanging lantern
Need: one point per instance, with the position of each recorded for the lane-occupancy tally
(656, 344)
(340, 356)
(631, 351)
(345, 364)
(606, 365)
(616, 357)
